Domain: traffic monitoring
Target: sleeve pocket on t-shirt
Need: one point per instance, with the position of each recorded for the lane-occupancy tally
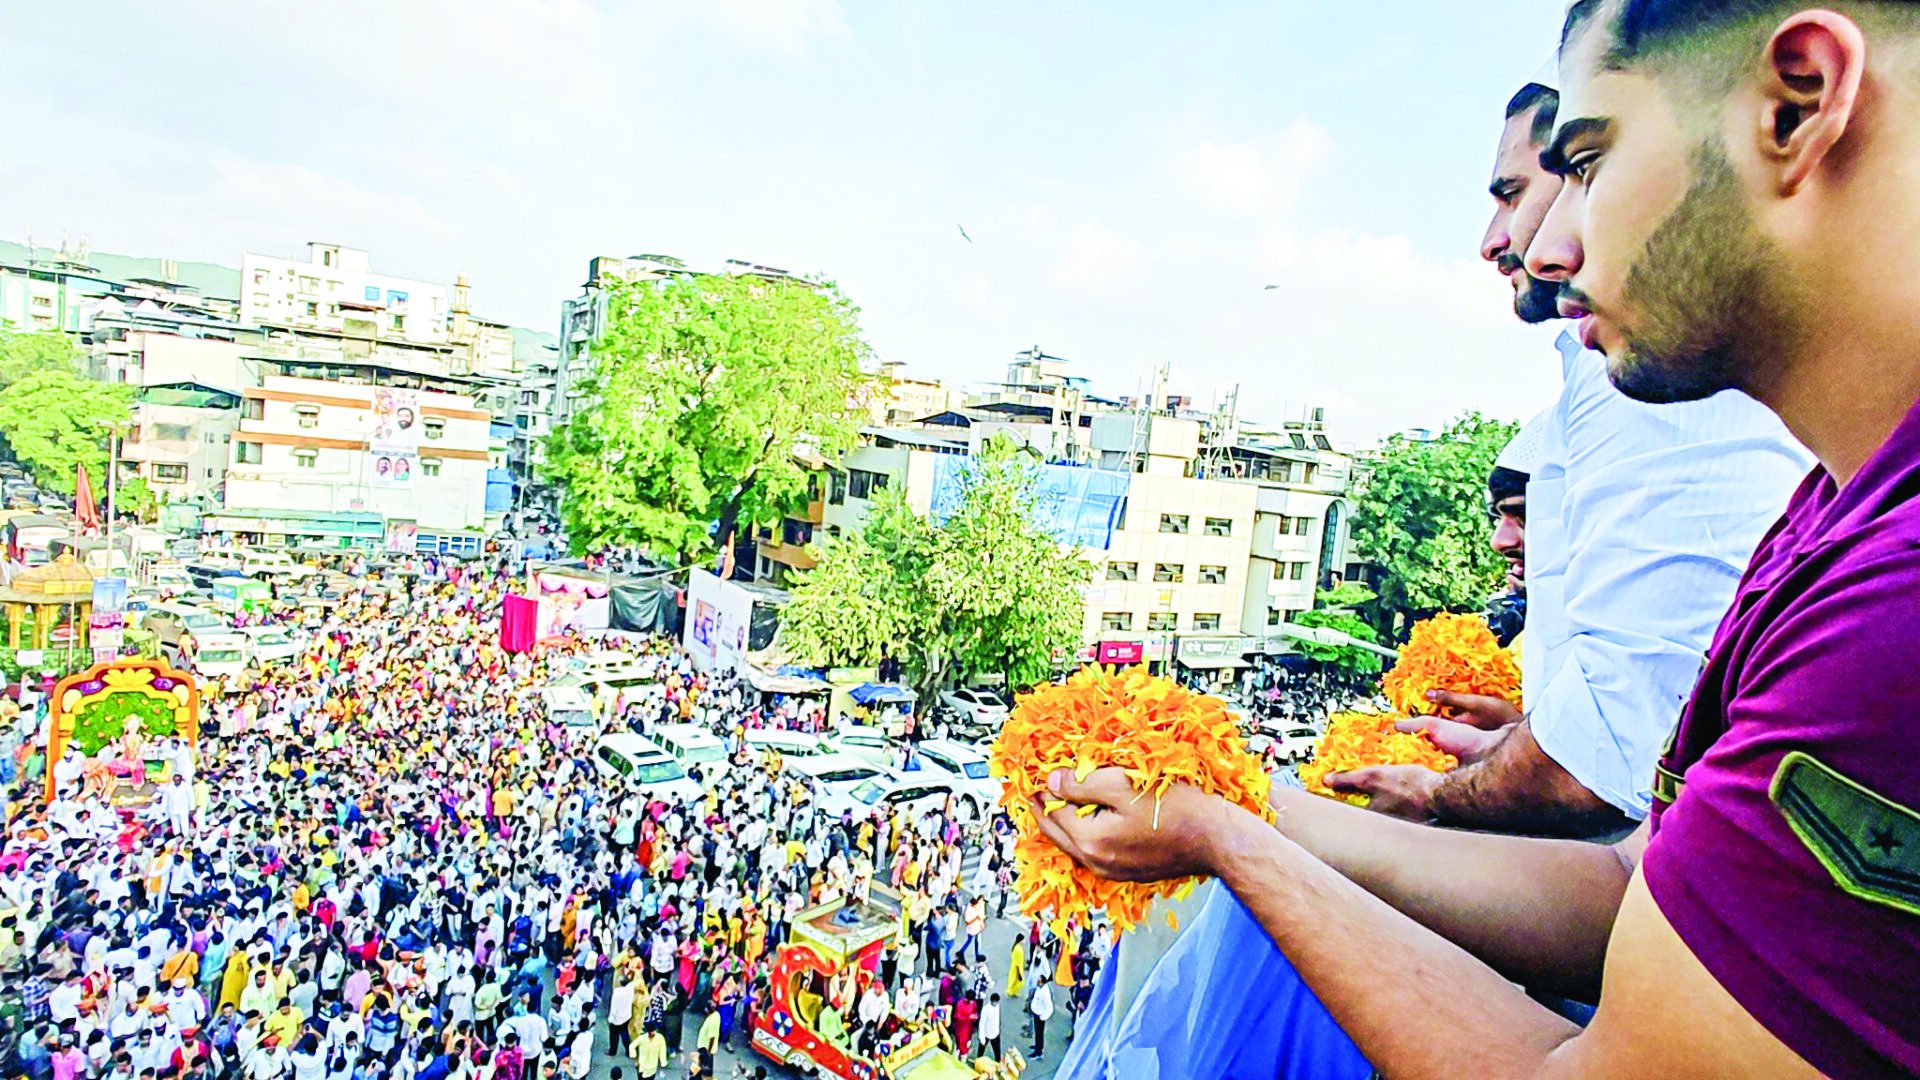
(1869, 843)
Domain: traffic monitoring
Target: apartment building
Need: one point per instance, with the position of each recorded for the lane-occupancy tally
(333, 289)
(418, 458)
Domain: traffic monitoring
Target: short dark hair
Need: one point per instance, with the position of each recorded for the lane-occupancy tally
(1644, 27)
(1543, 98)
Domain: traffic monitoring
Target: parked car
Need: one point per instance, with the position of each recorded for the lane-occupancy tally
(568, 707)
(979, 707)
(169, 621)
(1296, 743)
(836, 774)
(221, 655)
(918, 793)
(790, 744)
(964, 765)
(642, 766)
(694, 747)
(869, 744)
(270, 644)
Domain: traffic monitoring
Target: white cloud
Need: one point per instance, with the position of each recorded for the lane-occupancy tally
(782, 26)
(1261, 176)
(1095, 263)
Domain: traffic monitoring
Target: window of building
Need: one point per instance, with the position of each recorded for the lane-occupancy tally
(1174, 572)
(371, 294)
(1285, 474)
(1116, 620)
(1297, 571)
(1321, 442)
(1275, 616)
(1161, 621)
(313, 310)
(310, 285)
(307, 415)
(1285, 526)
(170, 472)
(1213, 575)
(1299, 441)
(1301, 525)
(1355, 571)
(326, 258)
(1173, 523)
(1206, 620)
(305, 457)
(261, 299)
(399, 324)
(436, 428)
(246, 453)
(173, 432)
(429, 466)
(1219, 526)
(1123, 571)
(796, 533)
(260, 276)
(862, 484)
(836, 487)
(1311, 469)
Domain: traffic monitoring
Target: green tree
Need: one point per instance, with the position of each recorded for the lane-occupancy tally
(1421, 521)
(707, 389)
(52, 420)
(985, 591)
(1336, 609)
(23, 354)
(136, 497)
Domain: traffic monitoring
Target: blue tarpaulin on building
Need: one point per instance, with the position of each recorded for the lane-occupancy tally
(1079, 506)
(870, 693)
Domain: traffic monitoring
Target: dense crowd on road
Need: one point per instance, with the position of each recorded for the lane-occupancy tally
(384, 861)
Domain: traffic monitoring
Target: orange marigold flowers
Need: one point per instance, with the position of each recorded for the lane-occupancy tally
(1457, 653)
(1158, 731)
(1355, 740)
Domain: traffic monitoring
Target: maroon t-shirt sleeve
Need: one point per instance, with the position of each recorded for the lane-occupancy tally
(1833, 673)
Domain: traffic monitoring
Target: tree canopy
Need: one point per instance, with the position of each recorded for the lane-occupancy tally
(705, 389)
(1336, 610)
(52, 420)
(23, 354)
(985, 591)
(1421, 520)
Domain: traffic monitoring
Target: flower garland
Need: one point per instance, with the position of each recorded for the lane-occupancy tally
(1161, 733)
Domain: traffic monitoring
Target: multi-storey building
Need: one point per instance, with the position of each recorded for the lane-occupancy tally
(419, 459)
(333, 290)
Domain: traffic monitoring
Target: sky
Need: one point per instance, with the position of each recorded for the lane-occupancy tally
(1129, 177)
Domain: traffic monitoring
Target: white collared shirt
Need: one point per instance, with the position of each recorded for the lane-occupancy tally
(1641, 520)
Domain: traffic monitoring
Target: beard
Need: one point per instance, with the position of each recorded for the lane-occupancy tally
(1708, 306)
(1534, 302)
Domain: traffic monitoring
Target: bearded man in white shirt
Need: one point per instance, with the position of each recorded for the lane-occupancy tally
(1641, 520)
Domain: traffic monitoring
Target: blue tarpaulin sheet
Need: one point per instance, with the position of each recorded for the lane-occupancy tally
(1079, 506)
(869, 693)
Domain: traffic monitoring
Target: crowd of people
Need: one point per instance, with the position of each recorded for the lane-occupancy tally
(383, 861)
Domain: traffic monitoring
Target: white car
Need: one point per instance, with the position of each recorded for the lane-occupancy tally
(789, 744)
(979, 707)
(270, 644)
(869, 744)
(694, 747)
(836, 774)
(918, 791)
(964, 765)
(222, 655)
(641, 765)
(1296, 743)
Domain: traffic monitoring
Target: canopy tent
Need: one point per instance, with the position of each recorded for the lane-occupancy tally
(768, 682)
(881, 694)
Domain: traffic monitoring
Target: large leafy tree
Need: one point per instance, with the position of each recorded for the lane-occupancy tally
(985, 591)
(1337, 611)
(1421, 521)
(706, 388)
(53, 420)
(23, 354)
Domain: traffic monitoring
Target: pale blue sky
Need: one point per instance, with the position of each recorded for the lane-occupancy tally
(1131, 174)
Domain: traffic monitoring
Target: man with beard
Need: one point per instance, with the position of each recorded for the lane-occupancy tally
(1641, 520)
(1738, 182)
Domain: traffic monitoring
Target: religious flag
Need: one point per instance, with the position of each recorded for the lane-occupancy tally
(726, 560)
(83, 505)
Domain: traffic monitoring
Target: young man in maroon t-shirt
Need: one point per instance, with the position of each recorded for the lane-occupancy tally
(1741, 206)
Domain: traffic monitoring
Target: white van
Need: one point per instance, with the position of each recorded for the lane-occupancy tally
(694, 747)
(568, 707)
(270, 565)
(641, 765)
(222, 655)
(836, 774)
(789, 744)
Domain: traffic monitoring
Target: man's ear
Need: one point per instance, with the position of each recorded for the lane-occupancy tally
(1810, 87)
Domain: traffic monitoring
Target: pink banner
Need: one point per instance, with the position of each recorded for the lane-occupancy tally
(518, 618)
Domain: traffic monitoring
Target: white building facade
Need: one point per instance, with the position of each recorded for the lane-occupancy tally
(415, 457)
(334, 290)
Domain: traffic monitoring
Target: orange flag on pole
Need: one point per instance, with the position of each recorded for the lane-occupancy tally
(83, 504)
